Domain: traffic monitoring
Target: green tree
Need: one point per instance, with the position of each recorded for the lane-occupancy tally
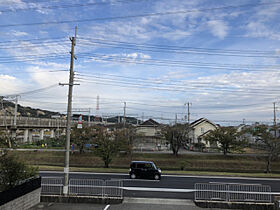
(110, 143)
(82, 136)
(227, 139)
(125, 137)
(6, 141)
(12, 171)
(176, 136)
(271, 143)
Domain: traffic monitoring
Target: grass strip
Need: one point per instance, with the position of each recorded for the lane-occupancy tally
(165, 172)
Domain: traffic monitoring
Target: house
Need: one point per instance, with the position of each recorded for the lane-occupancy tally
(148, 128)
(149, 135)
(199, 129)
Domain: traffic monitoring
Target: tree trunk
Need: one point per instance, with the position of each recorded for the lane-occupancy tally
(268, 163)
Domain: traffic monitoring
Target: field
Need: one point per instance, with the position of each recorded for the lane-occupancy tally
(184, 163)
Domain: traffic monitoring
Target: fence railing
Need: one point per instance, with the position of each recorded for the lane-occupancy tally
(233, 192)
(52, 185)
(87, 187)
(39, 122)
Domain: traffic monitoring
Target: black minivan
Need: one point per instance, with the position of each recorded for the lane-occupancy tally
(144, 169)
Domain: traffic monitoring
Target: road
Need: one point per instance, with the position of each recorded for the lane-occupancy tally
(134, 203)
(170, 186)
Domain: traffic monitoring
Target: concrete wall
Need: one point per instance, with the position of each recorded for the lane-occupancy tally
(24, 202)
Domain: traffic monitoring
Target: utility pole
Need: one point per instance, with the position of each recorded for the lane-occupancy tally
(175, 118)
(69, 113)
(274, 119)
(15, 114)
(189, 112)
(124, 114)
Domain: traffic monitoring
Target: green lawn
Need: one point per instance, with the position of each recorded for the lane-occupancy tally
(183, 164)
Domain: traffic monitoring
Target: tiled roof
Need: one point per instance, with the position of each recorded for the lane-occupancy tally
(201, 120)
(149, 122)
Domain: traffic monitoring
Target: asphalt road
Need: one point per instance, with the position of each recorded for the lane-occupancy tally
(128, 204)
(182, 185)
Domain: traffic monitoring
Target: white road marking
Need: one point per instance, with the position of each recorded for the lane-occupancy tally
(192, 190)
(181, 202)
(158, 189)
(107, 207)
(135, 180)
(180, 176)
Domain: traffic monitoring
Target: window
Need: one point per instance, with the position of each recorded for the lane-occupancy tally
(140, 165)
(202, 130)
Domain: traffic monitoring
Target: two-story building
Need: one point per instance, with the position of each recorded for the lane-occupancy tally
(148, 136)
(200, 128)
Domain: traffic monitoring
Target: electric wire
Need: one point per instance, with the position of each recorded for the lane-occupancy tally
(137, 16)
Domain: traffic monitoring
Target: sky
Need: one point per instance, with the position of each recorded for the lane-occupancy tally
(221, 57)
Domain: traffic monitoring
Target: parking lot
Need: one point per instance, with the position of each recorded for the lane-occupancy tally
(128, 203)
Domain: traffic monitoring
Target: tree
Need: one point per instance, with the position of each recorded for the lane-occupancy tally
(271, 143)
(107, 147)
(12, 171)
(227, 138)
(82, 136)
(176, 136)
(6, 141)
(125, 137)
(110, 143)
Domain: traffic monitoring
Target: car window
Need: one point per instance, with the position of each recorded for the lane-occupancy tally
(148, 165)
(140, 165)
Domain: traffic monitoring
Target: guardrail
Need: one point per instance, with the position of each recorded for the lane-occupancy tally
(52, 185)
(39, 122)
(86, 187)
(233, 192)
(32, 121)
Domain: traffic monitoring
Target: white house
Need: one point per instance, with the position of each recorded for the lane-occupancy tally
(148, 135)
(149, 128)
(199, 128)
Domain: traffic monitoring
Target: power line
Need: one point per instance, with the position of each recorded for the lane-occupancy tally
(33, 91)
(171, 48)
(138, 16)
(183, 84)
(51, 7)
(174, 89)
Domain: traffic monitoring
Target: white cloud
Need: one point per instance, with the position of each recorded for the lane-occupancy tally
(218, 28)
(9, 85)
(17, 33)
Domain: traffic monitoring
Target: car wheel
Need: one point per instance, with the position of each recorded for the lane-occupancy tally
(157, 177)
(132, 176)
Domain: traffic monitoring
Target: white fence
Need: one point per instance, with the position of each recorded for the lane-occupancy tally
(233, 192)
(52, 185)
(86, 187)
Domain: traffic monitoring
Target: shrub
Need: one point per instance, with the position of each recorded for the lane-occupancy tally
(13, 171)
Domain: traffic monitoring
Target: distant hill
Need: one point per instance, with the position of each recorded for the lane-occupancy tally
(8, 108)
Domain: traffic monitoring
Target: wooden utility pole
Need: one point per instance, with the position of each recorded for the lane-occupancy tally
(124, 114)
(274, 119)
(15, 111)
(69, 114)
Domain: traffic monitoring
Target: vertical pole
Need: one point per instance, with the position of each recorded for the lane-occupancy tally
(88, 116)
(15, 114)
(188, 112)
(124, 114)
(69, 113)
(274, 119)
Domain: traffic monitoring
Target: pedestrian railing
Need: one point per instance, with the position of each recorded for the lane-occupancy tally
(52, 185)
(84, 187)
(231, 192)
